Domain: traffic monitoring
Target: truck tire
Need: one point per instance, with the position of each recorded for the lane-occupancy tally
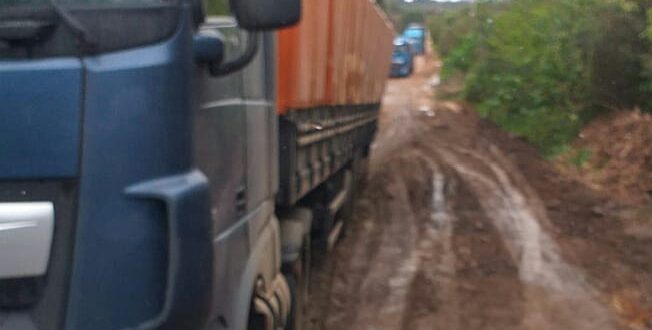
(260, 318)
(297, 276)
(295, 318)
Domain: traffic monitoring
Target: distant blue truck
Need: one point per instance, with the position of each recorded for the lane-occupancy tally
(402, 58)
(416, 36)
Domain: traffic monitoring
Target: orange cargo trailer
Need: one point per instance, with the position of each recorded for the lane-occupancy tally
(339, 54)
(331, 74)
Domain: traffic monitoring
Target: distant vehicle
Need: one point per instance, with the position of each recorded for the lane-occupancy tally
(416, 36)
(402, 58)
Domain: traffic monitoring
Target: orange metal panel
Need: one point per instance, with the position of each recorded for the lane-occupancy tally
(287, 55)
(338, 54)
(320, 46)
(370, 37)
(330, 65)
(302, 97)
(349, 17)
(350, 55)
(337, 51)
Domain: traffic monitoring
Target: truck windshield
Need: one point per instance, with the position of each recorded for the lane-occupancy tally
(401, 50)
(92, 25)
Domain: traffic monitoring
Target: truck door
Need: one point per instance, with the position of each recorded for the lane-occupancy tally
(220, 131)
(262, 139)
(219, 138)
(234, 142)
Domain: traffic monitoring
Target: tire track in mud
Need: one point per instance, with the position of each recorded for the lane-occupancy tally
(386, 244)
(401, 269)
(472, 280)
(433, 291)
(448, 235)
(556, 294)
(385, 287)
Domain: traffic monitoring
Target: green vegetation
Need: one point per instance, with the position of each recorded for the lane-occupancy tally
(410, 17)
(216, 7)
(542, 68)
(579, 158)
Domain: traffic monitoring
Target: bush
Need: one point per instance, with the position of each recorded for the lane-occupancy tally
(460, 58)
(541, 69)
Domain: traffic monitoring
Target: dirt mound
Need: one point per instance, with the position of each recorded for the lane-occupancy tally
(613, 154)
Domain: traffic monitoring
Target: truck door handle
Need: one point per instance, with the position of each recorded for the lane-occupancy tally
(241, 200)
(190, 261)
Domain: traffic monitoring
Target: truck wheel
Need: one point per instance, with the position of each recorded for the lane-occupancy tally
(297, 276)
(261, 316)
(295, 318)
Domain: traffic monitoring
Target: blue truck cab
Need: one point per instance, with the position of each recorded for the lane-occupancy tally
(416, 36)
(135, 142)
(402, 58)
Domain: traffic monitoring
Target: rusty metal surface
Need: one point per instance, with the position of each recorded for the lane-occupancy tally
(339, 54)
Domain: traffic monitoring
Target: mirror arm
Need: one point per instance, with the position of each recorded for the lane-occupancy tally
(221, 69)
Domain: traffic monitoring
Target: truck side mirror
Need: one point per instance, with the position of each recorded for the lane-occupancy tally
(211, 46)
(260, 15)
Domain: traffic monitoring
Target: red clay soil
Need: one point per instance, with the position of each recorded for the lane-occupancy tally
(599, 229)
(619, 155)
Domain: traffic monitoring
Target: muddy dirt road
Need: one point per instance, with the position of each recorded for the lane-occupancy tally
(461, 226)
